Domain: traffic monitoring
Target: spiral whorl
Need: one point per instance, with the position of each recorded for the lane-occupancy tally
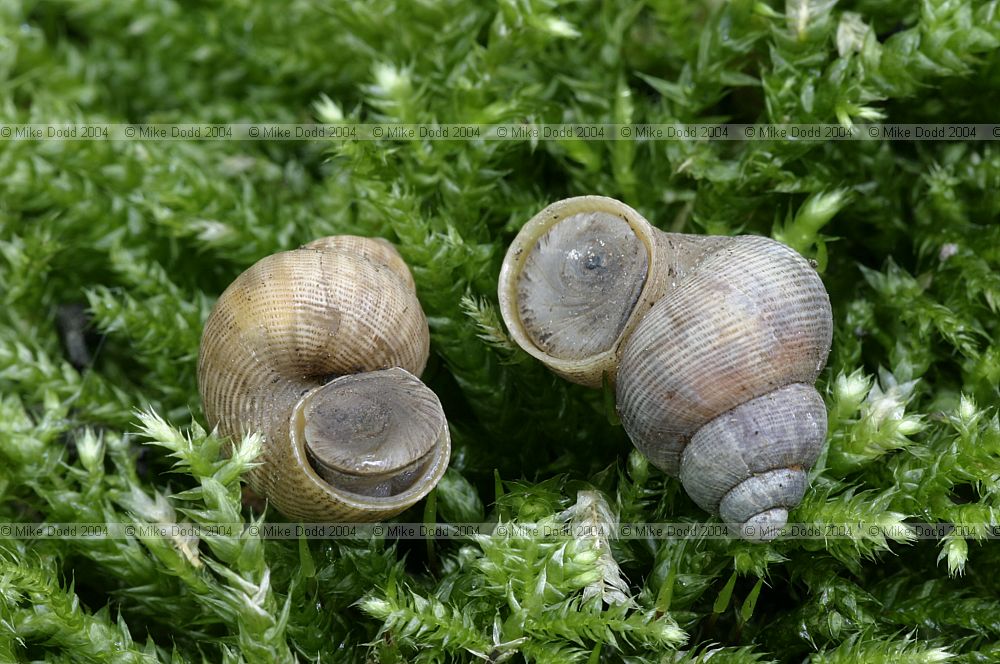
(317, 348)
(750, 462)
(752, 318)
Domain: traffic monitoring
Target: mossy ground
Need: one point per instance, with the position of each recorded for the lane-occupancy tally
(145, 235)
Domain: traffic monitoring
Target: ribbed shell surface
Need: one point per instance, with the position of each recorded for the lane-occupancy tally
(753, 317)
(290, 323)
(785, 428)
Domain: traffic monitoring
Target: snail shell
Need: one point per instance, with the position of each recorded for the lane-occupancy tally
(712, 343)
(319, 349)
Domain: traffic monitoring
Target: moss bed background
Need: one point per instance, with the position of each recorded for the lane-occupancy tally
(143, 235)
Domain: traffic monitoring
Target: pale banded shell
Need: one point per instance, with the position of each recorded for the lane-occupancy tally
(712, 343)
(747, 322)
(283, 353)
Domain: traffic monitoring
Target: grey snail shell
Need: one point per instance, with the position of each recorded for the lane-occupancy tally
(319, 349)
(712, 343)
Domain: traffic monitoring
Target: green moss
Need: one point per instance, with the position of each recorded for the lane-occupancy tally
(146, 234)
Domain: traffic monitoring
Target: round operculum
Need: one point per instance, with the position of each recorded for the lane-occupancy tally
(579, 284)
(374, 435)
(752, 459)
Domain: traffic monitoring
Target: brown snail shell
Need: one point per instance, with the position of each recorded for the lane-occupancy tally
(712, 343)
(319, 349)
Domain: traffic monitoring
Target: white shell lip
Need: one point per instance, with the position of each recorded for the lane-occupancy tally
(588, 371)
(397, 502)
